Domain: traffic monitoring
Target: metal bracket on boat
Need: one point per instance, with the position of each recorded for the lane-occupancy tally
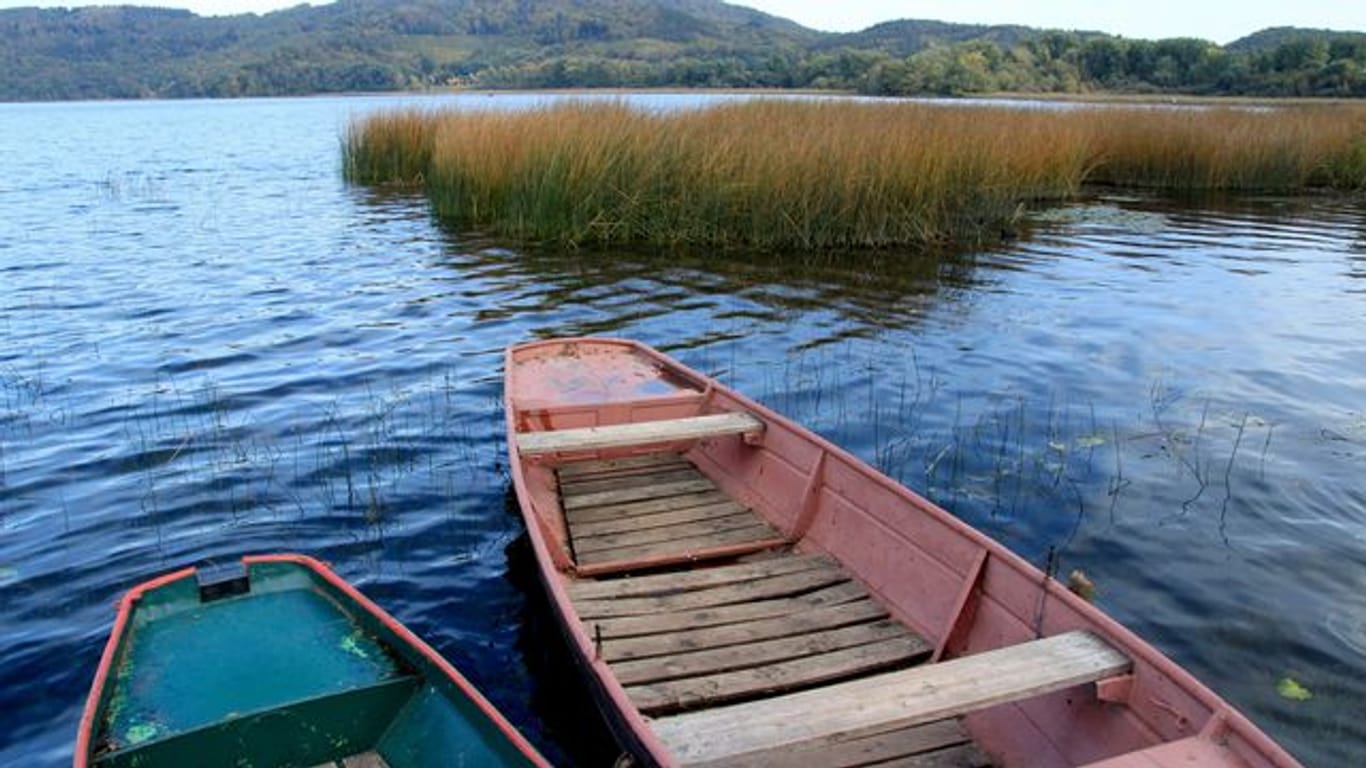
(219, 580)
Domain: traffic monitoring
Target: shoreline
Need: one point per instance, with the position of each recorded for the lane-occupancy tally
(1093, 97)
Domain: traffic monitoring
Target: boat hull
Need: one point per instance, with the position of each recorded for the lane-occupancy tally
(601, 428)
(279, 663)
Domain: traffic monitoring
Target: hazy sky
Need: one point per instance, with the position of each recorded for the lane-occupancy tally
(1218, 20)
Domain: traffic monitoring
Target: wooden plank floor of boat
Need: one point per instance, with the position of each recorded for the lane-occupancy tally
(733, 629)
(652, 507)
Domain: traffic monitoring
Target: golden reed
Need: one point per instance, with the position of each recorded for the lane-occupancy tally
(831, 174)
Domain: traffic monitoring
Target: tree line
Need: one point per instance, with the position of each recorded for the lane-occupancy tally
(1048, 63)
(380, 45)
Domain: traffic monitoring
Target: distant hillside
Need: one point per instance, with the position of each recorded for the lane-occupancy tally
(376, 45)
(1274, 37)
(355, 44)
(907, 37)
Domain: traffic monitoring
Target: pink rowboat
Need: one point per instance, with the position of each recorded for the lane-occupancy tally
(741, 592)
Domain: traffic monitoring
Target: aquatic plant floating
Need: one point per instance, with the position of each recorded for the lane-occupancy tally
(1290, 688)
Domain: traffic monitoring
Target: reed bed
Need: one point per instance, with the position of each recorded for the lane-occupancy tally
(829, 174)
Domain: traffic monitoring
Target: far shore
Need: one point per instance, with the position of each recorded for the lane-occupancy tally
(1080, 98)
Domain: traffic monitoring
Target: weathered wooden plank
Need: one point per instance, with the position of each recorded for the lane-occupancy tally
(660, 520)
(683, 641)
(709, 690)
(735, 657)
(631, 626)
(640, 509)
(901, 698)
(639, 493)
(700, 578)
(640, 433)
(757, 532)
(674, 475)
(607, 467)
(961, 756)
(786, 585)
(584, 545)
(672, 558)
(846, 750)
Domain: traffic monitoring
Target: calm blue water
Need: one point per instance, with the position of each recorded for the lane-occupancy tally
(210, 345)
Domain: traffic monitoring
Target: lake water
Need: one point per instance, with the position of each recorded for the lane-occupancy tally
(210, 345)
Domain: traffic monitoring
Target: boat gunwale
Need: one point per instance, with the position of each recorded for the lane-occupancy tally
(117, 633)
(1222, 716)
(128, 603)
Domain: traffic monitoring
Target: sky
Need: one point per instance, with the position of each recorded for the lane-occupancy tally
(1219, 20)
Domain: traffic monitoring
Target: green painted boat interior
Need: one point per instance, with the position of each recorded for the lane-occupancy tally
(289, 673)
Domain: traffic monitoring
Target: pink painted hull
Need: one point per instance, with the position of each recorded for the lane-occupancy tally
(957, 588)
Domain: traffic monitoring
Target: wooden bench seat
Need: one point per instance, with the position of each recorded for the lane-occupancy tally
(891, 700)
(638, 434)
(941, 744)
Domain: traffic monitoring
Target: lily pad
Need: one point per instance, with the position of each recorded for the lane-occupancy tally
(1290, 688)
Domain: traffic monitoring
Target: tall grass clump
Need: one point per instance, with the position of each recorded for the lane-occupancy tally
(1194, 149)
(391, 147)
(826, 174)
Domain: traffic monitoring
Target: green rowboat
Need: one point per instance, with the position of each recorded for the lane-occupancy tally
(280, 663)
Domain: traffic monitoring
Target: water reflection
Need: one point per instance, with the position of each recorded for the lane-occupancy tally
(856, 295)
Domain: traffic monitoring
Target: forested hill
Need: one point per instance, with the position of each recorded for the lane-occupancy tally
(368, 45)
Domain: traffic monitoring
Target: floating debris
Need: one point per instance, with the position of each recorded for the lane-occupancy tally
(1109, 216)
(1290, 688)
(1091, 441)
(1081, 585)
